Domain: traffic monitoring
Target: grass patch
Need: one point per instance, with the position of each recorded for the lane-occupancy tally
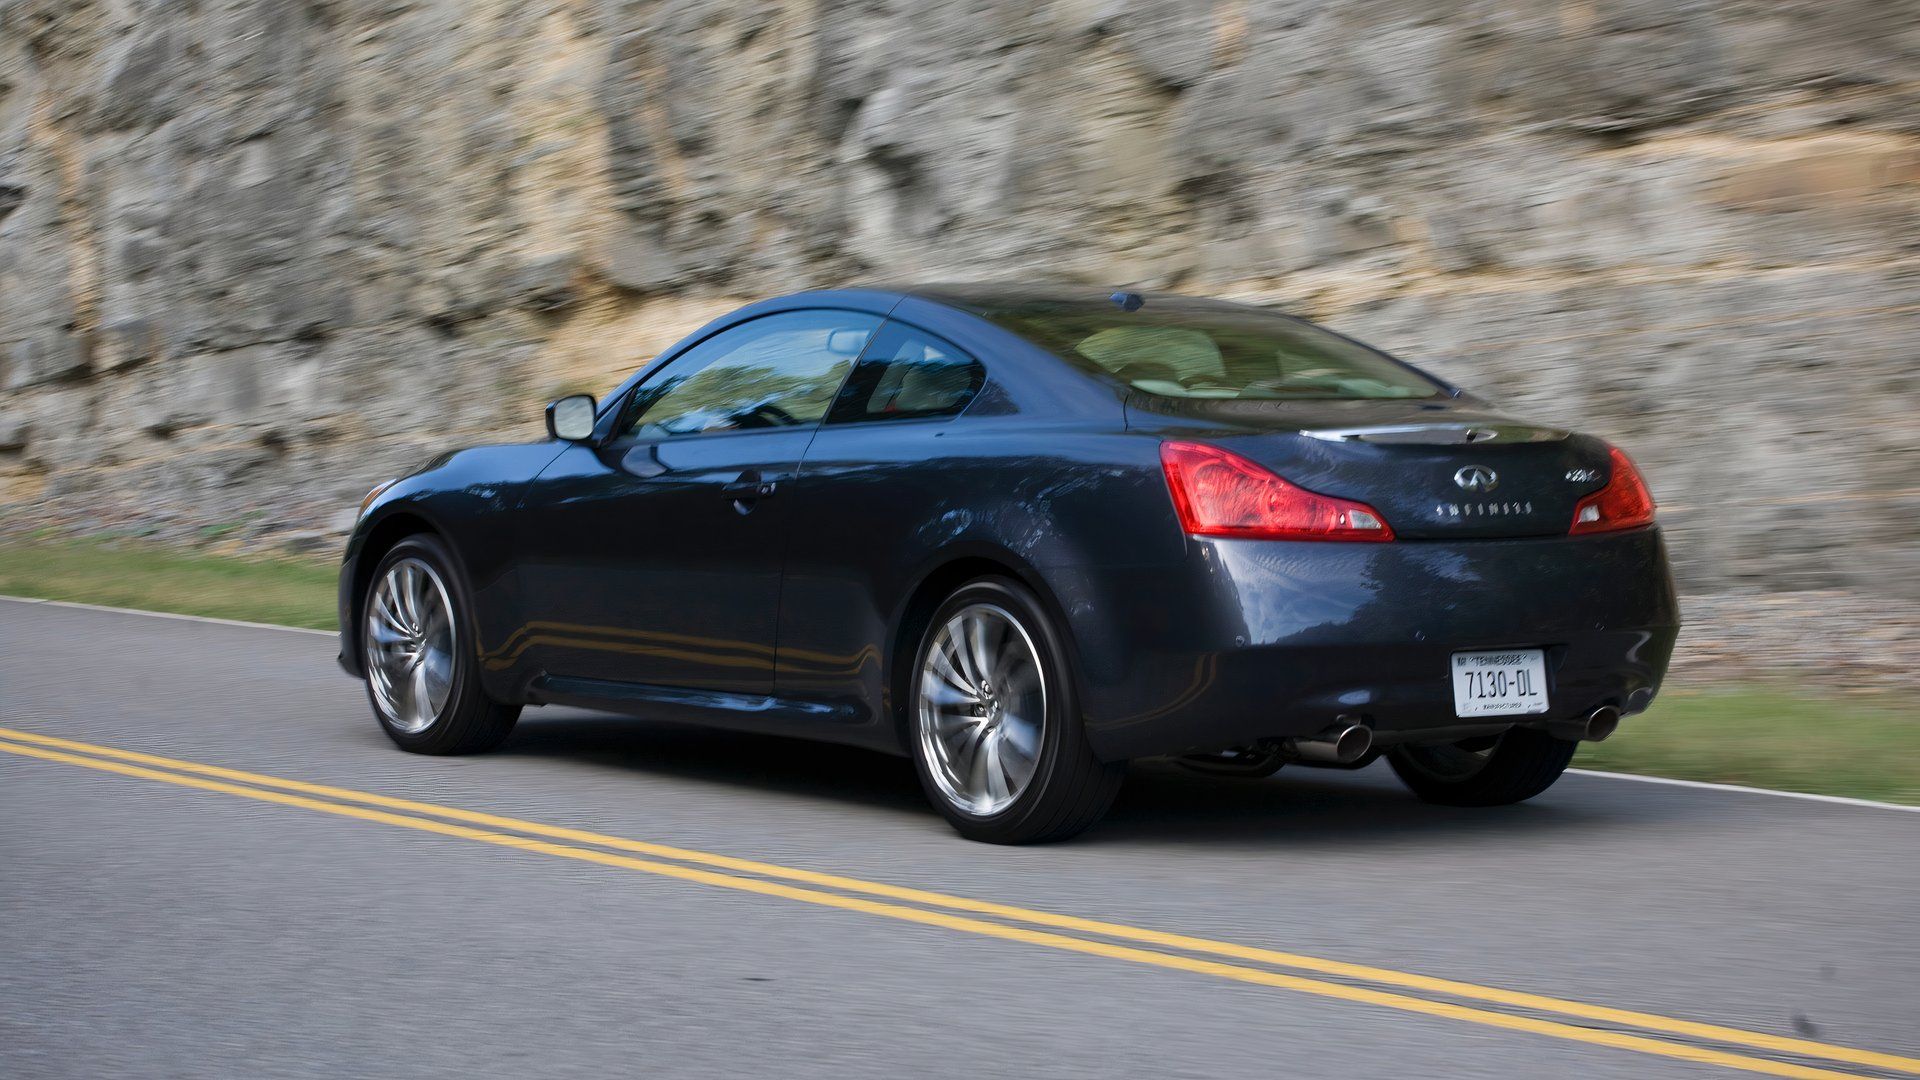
(1866, 748)
(221, 586)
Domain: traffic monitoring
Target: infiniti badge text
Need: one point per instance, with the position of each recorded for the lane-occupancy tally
(1485, 509)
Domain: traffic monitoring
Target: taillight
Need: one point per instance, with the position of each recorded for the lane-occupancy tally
(1217, 493)
(1625, 503)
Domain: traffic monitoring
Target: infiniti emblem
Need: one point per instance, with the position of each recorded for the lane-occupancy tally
(1477, 478)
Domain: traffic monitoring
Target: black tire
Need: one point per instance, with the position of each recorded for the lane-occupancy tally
(1069, 788)
(1516, 766)
(468, 722)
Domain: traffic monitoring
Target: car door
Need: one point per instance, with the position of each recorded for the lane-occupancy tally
(881, 481)
(655, 556)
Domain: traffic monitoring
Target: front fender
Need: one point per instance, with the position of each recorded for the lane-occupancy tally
(470, 499)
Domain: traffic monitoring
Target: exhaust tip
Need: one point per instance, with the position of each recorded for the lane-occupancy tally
(1593, 727)
(1352, 744)
(1346, 742)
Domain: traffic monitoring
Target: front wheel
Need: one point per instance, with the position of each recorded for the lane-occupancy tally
(995, 730)
(1491, 770)
(416, 644)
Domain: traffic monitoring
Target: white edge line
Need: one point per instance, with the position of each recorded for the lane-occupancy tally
(1671, 782)
(167, 615)
(1840, 800)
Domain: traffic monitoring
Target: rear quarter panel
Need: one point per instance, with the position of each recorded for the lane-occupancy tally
(887, 505)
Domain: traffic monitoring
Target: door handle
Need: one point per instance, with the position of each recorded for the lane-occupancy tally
(748, 488)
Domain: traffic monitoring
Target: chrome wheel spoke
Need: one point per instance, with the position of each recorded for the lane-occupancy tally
(385, 632)
(996, 767)
(962, 657)
(436, 678)
(979, 652)
(940, 664)
(963, 742)
(948, 698)
(1022, 680)
(388, 607)
(402, 581)
(979, 765)
(1023, 737)
(1020, 766)
(415, 599)
(419, 705)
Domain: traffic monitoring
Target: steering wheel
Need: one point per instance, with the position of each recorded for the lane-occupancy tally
(777, 416)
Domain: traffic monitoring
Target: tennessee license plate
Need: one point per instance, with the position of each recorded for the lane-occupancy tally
(1512, 682)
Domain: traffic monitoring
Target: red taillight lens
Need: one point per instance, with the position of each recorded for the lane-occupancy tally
(1217, 493)
(1625, 502)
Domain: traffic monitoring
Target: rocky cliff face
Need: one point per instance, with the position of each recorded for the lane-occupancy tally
(258, 254)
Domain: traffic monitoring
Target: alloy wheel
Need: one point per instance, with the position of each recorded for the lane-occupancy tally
(409, 645)
(981, 707)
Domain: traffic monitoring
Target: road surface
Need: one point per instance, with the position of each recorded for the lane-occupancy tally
(212, 863)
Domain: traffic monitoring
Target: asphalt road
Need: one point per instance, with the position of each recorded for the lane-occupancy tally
(244, 927)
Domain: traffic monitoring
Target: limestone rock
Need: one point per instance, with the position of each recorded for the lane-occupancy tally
(375, 229)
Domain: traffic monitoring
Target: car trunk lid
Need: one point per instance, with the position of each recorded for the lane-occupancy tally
(1445, 469)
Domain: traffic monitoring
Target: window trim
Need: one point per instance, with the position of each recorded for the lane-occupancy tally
(619, 434)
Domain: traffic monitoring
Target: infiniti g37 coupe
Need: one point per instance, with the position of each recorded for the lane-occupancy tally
(1023, 535)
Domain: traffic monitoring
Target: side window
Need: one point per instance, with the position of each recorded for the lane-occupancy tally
(908, 373)
(775, 371)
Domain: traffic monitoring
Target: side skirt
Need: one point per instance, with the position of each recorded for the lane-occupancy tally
(759, 713)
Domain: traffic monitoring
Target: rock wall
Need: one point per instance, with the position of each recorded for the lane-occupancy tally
(258, 254)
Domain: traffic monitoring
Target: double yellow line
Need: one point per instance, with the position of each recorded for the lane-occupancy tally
(1620, 1029)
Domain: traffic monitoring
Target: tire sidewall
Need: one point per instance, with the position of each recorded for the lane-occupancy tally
(1062, 714)
(464, 683)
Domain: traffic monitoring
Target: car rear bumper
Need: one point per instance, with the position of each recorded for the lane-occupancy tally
(1261, 639)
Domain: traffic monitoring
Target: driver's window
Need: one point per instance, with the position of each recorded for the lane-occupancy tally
(775, 371)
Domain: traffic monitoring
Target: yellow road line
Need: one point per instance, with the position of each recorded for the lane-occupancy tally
(1297, 961)
(961, 923)
(1646, 1021)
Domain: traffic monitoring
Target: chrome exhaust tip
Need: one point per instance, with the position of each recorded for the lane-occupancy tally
(1342, 744)
(1593, 727)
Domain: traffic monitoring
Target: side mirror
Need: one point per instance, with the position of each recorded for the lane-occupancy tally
(571, 418)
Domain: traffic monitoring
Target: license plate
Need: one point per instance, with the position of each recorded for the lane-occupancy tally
(1508, 683)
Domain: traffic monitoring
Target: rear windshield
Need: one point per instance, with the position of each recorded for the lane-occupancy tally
(1212, 352)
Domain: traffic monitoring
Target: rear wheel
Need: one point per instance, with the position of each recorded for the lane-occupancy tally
(995, 730)
(1492, 770)
(417, 647)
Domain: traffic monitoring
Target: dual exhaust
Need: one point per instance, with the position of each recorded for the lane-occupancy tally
(1347, 742)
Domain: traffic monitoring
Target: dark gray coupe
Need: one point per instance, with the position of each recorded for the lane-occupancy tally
(1023, 535)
